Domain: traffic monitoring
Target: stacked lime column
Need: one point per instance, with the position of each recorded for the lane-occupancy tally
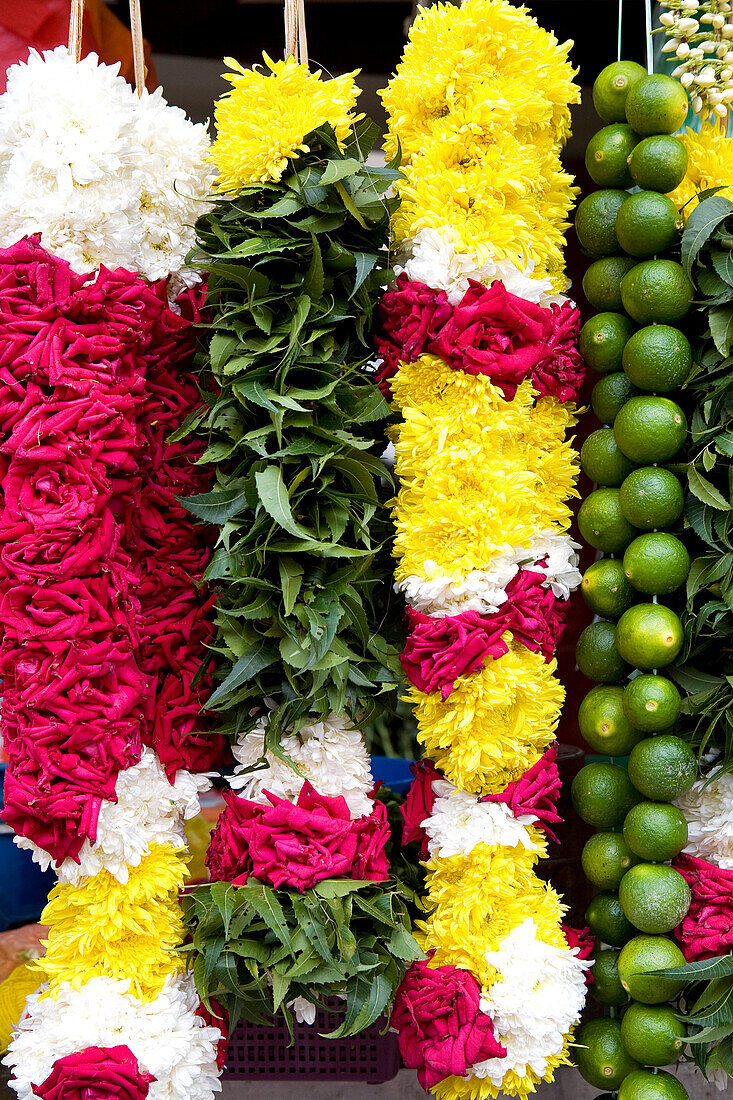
(637, 341)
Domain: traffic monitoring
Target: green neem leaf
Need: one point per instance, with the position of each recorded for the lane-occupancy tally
(719, 967)
(721, 328)
(245, 669)
(701, 223)
(705, 491)
(275, 499)
(219, 506)
(264, 901)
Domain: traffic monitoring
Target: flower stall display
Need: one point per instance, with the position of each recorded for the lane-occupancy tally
(104, 614)
(478, 351)
(302, 905)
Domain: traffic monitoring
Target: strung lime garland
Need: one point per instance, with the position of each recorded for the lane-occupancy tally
(302, 905)
(479, 352)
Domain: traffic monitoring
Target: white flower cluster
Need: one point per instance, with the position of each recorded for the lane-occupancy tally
(149, 810)
(700, 34)
(166, 1036)
(105, 176)
(708, 808)
(331, 755)
(458, 822)
(484, 590)
(431, 257)
(538, 998)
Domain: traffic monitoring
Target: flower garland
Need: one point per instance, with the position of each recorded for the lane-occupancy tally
(301, 904)
(478, 350)
(99, 570)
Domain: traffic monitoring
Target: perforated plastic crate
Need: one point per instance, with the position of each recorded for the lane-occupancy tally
(263, 1054)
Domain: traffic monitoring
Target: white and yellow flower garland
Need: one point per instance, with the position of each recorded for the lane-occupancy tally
(480, 109)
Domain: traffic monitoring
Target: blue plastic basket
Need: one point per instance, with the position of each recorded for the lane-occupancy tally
(393, 771)
(25, 885)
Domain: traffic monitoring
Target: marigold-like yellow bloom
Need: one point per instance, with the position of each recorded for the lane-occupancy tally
(262, 121)
(710, 164)
(478, 1088)
(120, 930)
(494, 723)
(487, 59)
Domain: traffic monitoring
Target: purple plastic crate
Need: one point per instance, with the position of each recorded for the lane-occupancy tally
(262, 1053)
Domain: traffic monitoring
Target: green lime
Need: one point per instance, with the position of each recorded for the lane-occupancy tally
(612, 86)
(602, 340)
(605, 588)
(596, 655)
(656, 563)
(662, 767)
(651, 497)
(603, 794)
(645, 1084)
(603, 723)
(605, 918)
(657, 358)
(656, 104)
(654, 897)
(610, 394)
(649, 635)
(606, 987)
(607, 155)
(639, 958)
(595, 221)
(656, 292)
(652, 1034)
(647, 223)
(602, 282)
(602, 460)
(655, 831)
(651, 703)
(602, 523)
(658, 163)
(650, 429)
(601, 1055)
(606, 858)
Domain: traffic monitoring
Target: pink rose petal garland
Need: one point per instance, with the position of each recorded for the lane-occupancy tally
(100, 573)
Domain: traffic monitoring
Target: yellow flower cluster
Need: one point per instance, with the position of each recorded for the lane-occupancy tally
(105, 927)
(477, 472)
(710, 164)
(480, 109)
(262, 122)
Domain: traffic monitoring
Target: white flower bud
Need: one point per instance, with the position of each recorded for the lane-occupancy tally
(714, 96)
(682, 50)
(727, 30)
(687, 26)
(666, 19)
(721, 110)
(697, 104)
(727, 95)
(686, 79)
(706, 77)
(718, 21)
(697, 52)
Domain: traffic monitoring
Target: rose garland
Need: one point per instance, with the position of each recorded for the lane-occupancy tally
(99, 570)
(478, 349)
(302, 905)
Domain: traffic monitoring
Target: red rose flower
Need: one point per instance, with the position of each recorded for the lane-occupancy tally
(418, 804)
(582, 941)
(56, 818)
(707, 929)
(411, 314)
(97, 1073)
(297, 844)
(219, 1018)
(536, 792)
(442, 1031)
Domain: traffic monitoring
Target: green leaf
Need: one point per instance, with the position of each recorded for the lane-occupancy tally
(313, 282)
(247, 667)
(222, 894)
(720, 320)
(276, 501)
(280, 987)
(365, 262)
(705, 491)
(701, 223)
(719, 967)
(340, 169)
(263, 900)
(291, 578)
(218, 507)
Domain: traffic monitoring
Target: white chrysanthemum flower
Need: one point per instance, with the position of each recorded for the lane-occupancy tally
(535, 1002)
(331, 755)
(106, 177)
(305, 1010)
(484, 590)
(149, 810)
(709, 813)
(166, 1036)
(458, 822)
(431, 257)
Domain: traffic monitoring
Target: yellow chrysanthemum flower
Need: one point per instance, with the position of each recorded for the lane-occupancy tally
(488, 60)
(710, 164)
(489, 201)
(262, 121)
(495, 723)
(129, 930)
(479, 1088)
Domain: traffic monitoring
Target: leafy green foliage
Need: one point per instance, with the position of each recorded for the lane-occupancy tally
(294, 428)
(706, 676)
(255, 948)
